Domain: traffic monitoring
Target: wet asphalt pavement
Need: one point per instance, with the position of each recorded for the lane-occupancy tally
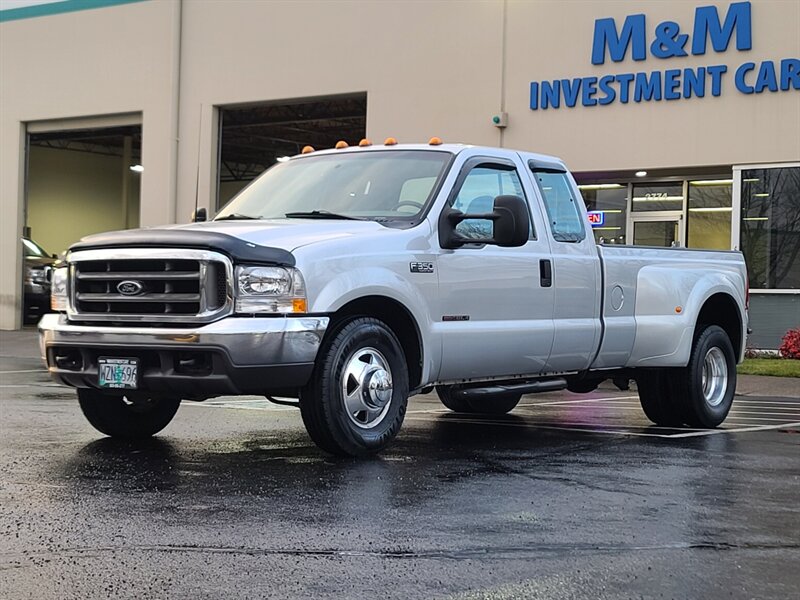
(570, 496)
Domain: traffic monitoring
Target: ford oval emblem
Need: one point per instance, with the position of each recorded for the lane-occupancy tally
(130, 287)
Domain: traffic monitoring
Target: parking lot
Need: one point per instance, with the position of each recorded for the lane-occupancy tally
(568, 496)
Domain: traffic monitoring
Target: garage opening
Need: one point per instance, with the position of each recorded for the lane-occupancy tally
(78, 182)
(254, 137)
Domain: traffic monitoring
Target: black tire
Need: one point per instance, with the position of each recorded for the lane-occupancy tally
(496, 404)
(454, 404)
(322, 402)
(713, 352)
(114, 415)
(656, 396)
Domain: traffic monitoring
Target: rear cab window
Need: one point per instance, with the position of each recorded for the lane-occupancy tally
(560, 201)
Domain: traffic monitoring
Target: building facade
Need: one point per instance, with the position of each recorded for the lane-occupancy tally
(680, 120)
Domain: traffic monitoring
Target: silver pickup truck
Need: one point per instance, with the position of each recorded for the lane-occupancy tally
(351, 279)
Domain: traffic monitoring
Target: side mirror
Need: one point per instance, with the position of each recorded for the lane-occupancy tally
(199, 215)
(511, 225)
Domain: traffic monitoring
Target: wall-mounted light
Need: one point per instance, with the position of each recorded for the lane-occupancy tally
(599, 186)
(712, 182)
(641, 173)
(137, 168)
(712, 209)
(760, 195)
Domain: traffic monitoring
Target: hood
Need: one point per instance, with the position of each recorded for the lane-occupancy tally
(287, 234)
(263, 241)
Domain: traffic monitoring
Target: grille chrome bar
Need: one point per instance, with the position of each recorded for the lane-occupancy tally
(175, 285)
(107, 275)
(145, 298)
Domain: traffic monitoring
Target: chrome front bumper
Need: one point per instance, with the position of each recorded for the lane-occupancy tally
(230, 356)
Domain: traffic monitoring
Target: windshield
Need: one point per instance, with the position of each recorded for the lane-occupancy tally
(381, 185)
(33, 249)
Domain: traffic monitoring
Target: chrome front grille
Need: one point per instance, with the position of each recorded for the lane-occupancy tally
(143, 284)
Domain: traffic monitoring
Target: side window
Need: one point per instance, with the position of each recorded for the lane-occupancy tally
(476, 196)
(562, 207)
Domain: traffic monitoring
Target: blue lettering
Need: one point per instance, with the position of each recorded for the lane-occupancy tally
(606, 36)
(605, 87)
(716, 78)
(766, 78)
(739, 77)
(570, 89)
(671, 84)
(669, 41)
(647, 89)
(694, 82)
(624, 86)
(551, 94)
(706, 24)
(534, 95)
(589, 89)
(790, 73)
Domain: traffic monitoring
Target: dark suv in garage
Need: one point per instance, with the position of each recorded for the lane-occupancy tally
(38, 271)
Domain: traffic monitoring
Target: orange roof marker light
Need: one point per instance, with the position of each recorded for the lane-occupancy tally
(435, 141)
(341, 144)
(390, 141)
(364, 143)
(307, 150)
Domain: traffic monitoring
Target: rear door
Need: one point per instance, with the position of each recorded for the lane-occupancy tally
(495, 316)
(575, 270)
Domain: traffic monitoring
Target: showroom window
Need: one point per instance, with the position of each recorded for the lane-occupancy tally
(770, 226)
(607, 204)
(657, 197)
(709, 220)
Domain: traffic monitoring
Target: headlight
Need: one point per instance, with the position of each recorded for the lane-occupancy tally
(58, 289)
(35, 276)
(270, 290)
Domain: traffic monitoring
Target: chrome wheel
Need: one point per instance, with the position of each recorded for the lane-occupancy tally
(715, 376)
(367, 387)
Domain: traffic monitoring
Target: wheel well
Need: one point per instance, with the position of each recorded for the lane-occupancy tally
(399, 320)
(721, 309)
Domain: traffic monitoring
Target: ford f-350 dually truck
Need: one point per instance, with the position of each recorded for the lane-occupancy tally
(353, 278)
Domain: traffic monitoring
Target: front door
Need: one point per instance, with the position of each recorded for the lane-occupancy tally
(495, 317)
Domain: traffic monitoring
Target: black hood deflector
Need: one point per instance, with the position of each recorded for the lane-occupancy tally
(237, 249)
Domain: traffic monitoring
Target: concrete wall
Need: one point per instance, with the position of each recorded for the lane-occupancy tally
(89, 63)
(73, 194)
(428, 68)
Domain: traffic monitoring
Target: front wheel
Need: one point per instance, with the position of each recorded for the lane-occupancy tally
(122, 416)
(357, 397)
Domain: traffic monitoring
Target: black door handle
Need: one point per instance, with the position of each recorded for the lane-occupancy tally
(545, 272)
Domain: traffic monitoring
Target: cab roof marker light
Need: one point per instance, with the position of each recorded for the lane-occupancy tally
(435, 141)
(307, 150)
(390, 141)
(341, 144)
(364, 143)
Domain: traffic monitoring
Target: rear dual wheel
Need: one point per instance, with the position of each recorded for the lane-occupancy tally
(698, 395)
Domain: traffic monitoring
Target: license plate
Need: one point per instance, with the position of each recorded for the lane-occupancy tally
(118, 373)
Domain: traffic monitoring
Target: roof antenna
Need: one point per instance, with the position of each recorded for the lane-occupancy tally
(199, 215)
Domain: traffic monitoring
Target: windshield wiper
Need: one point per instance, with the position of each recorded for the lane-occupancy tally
(320, 214)
(237, 217)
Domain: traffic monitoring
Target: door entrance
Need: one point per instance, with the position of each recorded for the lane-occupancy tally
(662, 231)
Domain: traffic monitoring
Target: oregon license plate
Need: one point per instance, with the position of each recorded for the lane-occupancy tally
(118, 373)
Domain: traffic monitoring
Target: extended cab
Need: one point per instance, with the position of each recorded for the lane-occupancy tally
(351, 279)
